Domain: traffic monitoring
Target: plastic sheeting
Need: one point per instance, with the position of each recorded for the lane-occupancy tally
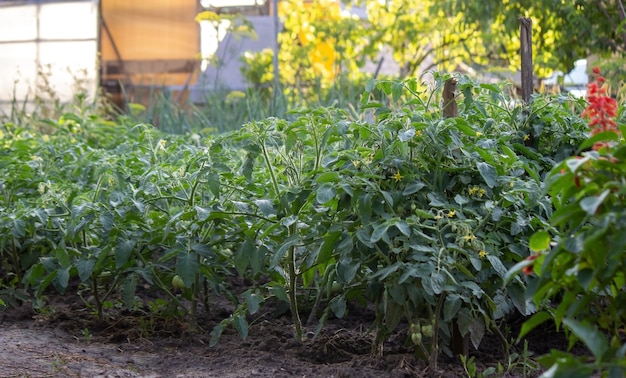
(153, 42)
(52, 46)
(47, 49)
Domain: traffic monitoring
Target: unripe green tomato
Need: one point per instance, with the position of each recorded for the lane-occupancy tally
(177, 282)
(427, 330)
(413, 207)
(416, 338)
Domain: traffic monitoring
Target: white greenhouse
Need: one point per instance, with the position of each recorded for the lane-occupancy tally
(56, 45)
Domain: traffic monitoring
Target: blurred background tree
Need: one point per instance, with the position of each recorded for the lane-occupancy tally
(320, 43)
(563, 31)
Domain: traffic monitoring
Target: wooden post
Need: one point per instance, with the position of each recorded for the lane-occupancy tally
(275, 42)
(450, 108)
(526, 38)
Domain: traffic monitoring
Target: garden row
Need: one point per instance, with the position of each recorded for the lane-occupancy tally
(421, 217)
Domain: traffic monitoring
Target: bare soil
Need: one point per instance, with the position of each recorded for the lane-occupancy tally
(67, 341)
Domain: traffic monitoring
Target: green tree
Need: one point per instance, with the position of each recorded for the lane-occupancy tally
(422, 35)
(319, 42)
(563, 31)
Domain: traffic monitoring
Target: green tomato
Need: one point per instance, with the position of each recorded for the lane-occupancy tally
(225, 252)
(177, 282)
(427, 330)
(416, 337)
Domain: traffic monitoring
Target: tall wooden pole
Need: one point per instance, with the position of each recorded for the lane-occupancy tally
(526, 38)
(276, 46)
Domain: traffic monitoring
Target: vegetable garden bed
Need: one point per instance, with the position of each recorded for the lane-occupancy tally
(387, 239)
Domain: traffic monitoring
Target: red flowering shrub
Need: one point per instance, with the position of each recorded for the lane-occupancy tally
(602, 109)
(529, 269)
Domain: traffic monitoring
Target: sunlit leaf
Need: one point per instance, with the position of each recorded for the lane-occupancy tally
(405, 135)
(346, 270)
(338, 306)
(413, 187)
(378, 232)
(488, 173)
(252, 301)
(591, 204)
(187, 267)
(325, 193)
(539, 241)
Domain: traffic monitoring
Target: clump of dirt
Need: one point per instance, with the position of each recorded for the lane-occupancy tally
(68, 341)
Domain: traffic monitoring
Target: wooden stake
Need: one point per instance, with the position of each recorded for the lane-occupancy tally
(526, 38)
(450, 107)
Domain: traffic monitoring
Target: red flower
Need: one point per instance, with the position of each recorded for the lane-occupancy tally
(601, 109)
(528, 269)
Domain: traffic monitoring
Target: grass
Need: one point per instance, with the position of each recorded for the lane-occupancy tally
(221, 110)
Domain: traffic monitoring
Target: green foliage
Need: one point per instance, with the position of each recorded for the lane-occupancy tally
(324, 209)
(109, 215)
(580, 258)
(317, 43)
(562, 31)
(419, 215)
(581, 277)
(422, 36)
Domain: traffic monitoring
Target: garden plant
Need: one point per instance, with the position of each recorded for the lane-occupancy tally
(577, 267)
(392, 207)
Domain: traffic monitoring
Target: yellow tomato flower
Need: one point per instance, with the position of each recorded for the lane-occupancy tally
(473, 190)
(397, 177)
(479, 134)
(482, 253)
(356, 163)
(526, 137)
(451, 214)
(469, 237)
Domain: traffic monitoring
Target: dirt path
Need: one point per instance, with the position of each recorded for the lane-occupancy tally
(40, 352)
(54, 353)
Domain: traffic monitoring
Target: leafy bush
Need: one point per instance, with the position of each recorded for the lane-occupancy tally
(418, 215)
(391, 205)
(579, 270)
